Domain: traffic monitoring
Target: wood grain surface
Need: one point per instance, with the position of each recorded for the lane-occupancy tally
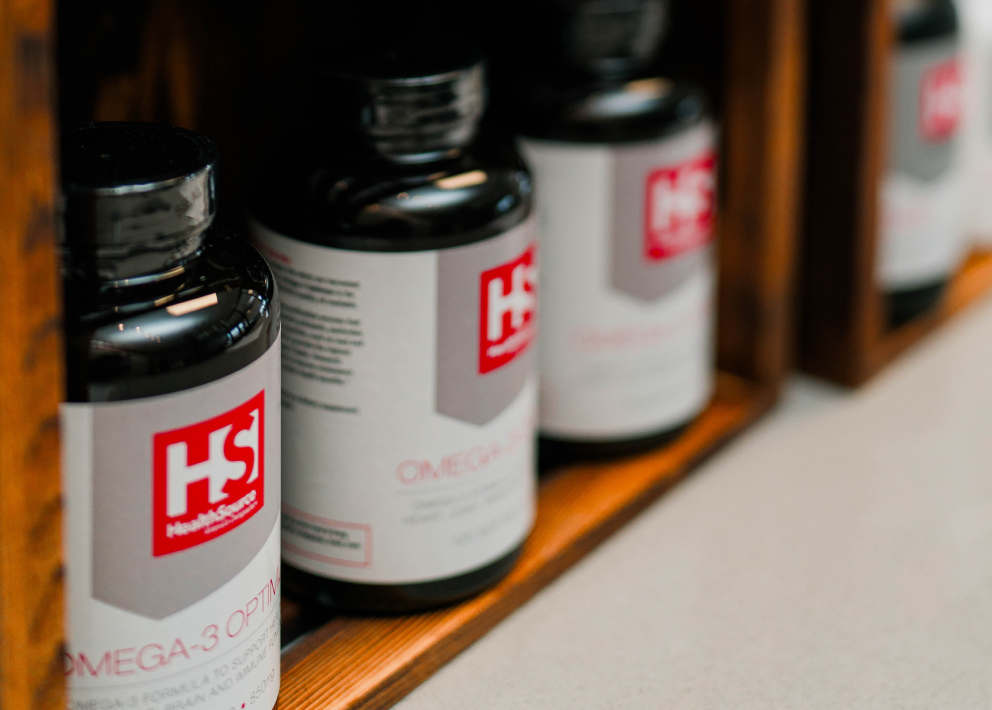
(367, 663)
(841, 308)
(30, 367)
(764, 108)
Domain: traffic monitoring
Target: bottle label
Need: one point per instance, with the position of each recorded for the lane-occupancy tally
(171, 544)
(627, 283)
(409, 403)
(922, 221)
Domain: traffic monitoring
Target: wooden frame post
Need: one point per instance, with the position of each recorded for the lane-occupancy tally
(764, 100)
(841, 310)
(31, 668)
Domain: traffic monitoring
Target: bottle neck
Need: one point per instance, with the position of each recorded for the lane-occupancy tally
(127, 266)
(614, 39)
(924, 20)
(419, 155)
(139, 234)
(407, 120)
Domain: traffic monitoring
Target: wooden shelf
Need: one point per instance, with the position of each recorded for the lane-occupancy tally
(366, 663)
(973, 281)
(241, 82)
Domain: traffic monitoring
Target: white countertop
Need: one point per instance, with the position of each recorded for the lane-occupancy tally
(839, 555)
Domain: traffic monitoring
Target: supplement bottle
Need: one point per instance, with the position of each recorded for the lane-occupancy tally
(407, 263)
(624, 164)
(922, 193)
(170, 435)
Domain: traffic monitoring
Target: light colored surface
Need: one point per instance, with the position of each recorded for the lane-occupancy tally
(838, 556)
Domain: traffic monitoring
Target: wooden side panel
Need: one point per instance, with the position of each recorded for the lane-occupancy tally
(30, 368)
(841, 318)
(764, 103)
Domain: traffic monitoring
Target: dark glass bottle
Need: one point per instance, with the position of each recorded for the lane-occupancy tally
(139, 200)
(922, 227)
(595, 103)
(391, 169)
(170, 435)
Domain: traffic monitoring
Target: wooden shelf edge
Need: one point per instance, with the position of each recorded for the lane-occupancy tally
(370, 663)
(972, 281)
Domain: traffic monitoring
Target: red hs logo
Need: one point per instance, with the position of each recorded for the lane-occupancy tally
(680, 207)
(209, 477)
(940, 101)
(507, 314)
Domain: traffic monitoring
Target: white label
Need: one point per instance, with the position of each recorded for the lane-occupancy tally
(409, 404)
(627, 283)
(921, 230)
(922, 194)
(172, 546)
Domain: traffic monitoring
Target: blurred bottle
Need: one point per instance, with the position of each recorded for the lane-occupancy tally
(976, 28)
(624, 159)
(923, 192)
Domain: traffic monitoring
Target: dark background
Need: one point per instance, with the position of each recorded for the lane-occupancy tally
(235, 69)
